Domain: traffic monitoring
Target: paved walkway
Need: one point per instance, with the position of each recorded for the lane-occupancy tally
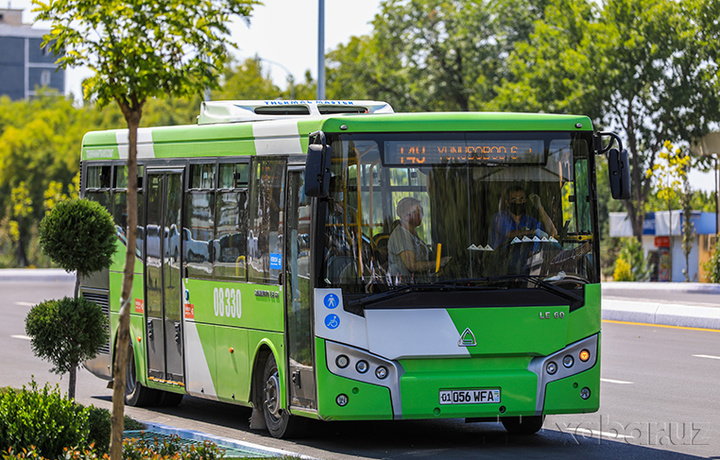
(699, 308)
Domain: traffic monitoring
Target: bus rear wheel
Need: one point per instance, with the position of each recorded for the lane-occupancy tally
(523, 425)
(279, 422)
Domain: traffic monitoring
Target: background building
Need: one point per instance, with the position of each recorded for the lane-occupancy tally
(662, 242)
(24, 65)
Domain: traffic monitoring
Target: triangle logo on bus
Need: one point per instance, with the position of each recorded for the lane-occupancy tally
(467, 338)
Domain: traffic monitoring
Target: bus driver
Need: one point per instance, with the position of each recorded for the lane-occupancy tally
(512, 221)
(408, 255)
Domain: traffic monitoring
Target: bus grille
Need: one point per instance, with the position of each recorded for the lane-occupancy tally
(104, 301)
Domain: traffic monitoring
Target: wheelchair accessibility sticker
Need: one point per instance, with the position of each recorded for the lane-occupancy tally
(331, 300)
(332, 321)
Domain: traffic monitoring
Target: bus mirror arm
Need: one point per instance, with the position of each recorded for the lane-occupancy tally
(618, 165)
(317, 168)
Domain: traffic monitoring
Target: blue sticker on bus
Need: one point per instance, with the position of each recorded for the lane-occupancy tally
(275, 261)
(331, 301)
(332, 321)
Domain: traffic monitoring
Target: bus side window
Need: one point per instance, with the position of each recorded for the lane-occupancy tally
(199, 225)
(231, 222)
(265, 217)
(97, 186)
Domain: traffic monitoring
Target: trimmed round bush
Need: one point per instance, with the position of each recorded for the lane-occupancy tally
(66, 332)
(78, 235)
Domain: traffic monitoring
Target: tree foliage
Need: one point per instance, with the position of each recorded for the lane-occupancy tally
(79, 235)
(640, 66)
(67, 332)
(137, 51)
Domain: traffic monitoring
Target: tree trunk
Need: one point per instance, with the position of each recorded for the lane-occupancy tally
(122, 344)
(72, 381)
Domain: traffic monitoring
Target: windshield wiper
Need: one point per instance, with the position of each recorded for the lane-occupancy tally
(358, 304)
(575, 300)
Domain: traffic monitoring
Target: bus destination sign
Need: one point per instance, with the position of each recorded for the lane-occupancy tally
(434, 152)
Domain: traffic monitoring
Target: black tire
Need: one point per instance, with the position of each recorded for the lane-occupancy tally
(523, 425)
(169, 399)
(279, 422)
(135, 393)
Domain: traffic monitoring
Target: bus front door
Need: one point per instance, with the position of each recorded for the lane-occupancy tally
(163, 295)
(298, 302)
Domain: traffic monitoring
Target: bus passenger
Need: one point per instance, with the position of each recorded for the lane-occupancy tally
(512, 220)
(408, 254)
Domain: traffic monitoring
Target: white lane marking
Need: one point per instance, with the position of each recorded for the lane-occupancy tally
(23, 337)
(25, 304)
(619, 382)
(707, 356)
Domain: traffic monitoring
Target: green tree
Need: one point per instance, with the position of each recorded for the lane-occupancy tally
(246, 80)
(78, 235)
(671, 174)
(637, 65)
(67, 332)
(137, 51)
(39, 145)
(431, 54)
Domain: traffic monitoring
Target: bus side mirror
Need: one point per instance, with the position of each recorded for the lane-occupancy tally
(317, 170)
(619, 168)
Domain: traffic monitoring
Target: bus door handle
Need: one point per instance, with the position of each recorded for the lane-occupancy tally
(296, 379)
(177, 332)
(150, 329)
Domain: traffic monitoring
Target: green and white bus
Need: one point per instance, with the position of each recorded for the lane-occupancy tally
(268, 273)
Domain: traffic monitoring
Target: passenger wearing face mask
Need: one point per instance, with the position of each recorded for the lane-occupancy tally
(512, 221)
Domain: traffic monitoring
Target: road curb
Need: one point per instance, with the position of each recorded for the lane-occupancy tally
(36, 275)
(221, 441)
(669, 314)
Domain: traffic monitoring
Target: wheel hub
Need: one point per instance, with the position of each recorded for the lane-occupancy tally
(272, 393)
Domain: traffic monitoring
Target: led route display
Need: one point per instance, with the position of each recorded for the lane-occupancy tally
(433, 152)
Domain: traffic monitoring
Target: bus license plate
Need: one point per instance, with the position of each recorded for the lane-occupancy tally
(469, 396)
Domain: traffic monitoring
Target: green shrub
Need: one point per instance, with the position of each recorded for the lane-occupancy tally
(67, 331)
(712, 266)
(101, 427)
(78, 235)
(623, 271)
(43, 419)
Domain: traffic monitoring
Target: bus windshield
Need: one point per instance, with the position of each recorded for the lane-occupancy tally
(429, 208)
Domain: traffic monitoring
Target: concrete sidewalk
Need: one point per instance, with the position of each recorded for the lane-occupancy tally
(36, 274)
(659, 310)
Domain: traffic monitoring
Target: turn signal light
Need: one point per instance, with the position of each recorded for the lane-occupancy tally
(584, 355)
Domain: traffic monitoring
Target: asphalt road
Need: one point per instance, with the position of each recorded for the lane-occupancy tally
(660, 399)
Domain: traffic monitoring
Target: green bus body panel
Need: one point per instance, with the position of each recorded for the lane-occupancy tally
(563, 396)
(257, 312)
(204, 149)
(512, 331)
(586, 321)
(137, 319)
(365, 401)
(457, 121)
(424, 379)
(238, 138)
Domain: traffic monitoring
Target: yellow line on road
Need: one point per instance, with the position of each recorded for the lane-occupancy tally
(660, 325)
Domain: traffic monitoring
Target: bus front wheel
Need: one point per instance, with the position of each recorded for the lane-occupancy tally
(523, 425)
(135, 393)
(279, 422)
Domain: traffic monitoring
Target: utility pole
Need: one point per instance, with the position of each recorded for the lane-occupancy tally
(321, 51)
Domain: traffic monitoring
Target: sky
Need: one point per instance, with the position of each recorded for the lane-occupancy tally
(284, 34)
